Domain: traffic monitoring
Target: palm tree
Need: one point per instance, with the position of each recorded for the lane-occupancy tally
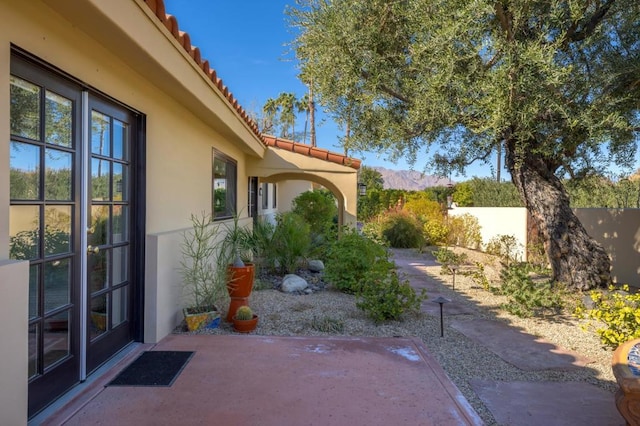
(270, 110)
(287, 103)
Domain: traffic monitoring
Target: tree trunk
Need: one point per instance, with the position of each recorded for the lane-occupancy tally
(576, 259)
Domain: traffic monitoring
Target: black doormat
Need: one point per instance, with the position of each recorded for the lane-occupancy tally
(153, 368)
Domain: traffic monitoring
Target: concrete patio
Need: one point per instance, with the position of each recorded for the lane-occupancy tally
(267, 380)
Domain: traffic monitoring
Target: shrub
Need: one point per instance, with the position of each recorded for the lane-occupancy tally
(327, 325)
(317, 208)
(373, 231)
(504, 246)
(464, 231)
(350, 257)
(615, 315)
(479, 277)
(383, 297)
(291, 241)
(435, 232)
(528, 297)
(402, 230)
(447, 257)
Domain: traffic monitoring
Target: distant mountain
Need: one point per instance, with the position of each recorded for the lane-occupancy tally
(409, 179)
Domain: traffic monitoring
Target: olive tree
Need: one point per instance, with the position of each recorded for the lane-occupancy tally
(554, 83)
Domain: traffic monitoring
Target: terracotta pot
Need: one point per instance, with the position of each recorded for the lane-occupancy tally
(234, 304)
(245, 326)
(240, 280)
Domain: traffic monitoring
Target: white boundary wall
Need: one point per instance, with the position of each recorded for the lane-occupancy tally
(617, 230)
(496, 221)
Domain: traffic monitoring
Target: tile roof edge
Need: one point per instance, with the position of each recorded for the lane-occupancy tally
(170, 22)
(311, 151)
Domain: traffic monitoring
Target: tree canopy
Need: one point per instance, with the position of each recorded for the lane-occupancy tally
(555, 83)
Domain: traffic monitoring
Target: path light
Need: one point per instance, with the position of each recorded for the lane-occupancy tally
(441, 301)
(454, 269)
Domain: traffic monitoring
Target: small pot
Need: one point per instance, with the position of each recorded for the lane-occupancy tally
(245, 326)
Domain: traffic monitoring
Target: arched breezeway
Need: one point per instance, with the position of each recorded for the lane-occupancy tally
(286, 161)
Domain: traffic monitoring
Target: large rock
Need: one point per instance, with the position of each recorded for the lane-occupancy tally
(292, 283)
(315, 265)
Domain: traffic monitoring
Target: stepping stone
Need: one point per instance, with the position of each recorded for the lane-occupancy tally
(548, 403)
(525, 351)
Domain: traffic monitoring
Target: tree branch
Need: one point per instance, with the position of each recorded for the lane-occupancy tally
(590, 26)
(389, 91)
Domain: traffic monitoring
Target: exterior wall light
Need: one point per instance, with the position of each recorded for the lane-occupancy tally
(362, 189)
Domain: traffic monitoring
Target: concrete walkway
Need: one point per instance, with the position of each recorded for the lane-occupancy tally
(516, 403)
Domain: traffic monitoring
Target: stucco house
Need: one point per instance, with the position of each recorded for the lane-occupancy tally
(115, 131)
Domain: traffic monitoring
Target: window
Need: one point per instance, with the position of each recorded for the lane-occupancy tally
(264, 191)
(274, 203)
(224, 185)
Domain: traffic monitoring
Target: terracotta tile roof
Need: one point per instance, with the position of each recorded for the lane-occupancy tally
(311, 151)
(171, 23)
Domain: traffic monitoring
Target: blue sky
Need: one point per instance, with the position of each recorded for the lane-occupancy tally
(246, 43)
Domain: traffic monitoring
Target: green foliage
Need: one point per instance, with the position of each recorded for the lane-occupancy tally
(372, 178)
(435, 232)
(244, 313)
(327, 325)
(463, 194)
(447, 257)
(261, 242)
(204, 281)
(529, 297)
(486, 192)
(479, 277)
(317, 208)
(504, 246)
(423, 207)
(402, 230)
(350, 257)
(550, 84)
(376, 202)
(464, 231)
(599, 191)
(291, 241)
(373, 231)
(384, 297)
(615, 315)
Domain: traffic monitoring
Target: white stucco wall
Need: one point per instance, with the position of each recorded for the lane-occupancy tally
(496, 221)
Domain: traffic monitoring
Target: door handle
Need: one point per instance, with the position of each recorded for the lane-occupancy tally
(93, 250)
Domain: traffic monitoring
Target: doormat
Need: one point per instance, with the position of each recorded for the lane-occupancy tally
(153, 368)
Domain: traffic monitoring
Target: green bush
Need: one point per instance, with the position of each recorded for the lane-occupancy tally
(447, 257)
(383, 297)
(528, 297)
(505, 247)
(615, 315)
(464, 231)
(435, 232)
(291, 241)
(402, 230)
(317, 208)
(350, 257)
(373, 231)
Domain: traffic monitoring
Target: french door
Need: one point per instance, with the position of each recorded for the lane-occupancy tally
(72, 159)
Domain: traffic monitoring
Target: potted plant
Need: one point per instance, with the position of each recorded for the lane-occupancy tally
(203, 282)
(245, 321)
(236, 255)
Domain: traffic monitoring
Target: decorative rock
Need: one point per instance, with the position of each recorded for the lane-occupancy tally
(292, 283)
(316, 266)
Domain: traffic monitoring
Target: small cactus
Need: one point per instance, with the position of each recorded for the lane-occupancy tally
(244, 313)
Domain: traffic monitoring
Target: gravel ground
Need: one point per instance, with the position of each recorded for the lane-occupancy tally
(329, 312)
